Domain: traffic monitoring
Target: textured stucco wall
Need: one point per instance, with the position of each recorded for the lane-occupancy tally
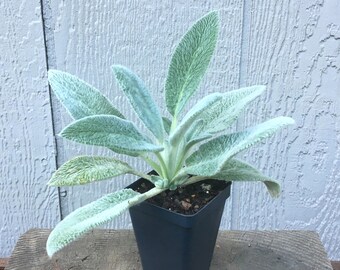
(292, 46)
(27, 152)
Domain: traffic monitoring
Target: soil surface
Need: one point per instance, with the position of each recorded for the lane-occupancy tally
(185, 200)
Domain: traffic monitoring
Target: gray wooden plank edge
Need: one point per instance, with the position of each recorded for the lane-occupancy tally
(3, 263)
(116, 249)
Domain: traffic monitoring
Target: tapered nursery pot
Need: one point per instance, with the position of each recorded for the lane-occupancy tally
(170, 241)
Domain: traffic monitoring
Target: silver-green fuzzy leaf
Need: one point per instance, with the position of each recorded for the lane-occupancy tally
(140, 99)
(225, 111)
(236, 170)
(90, 216)
(109, 131)
(218, 111)
(193, 130)
(190, 61)
(166, 124)
(195, 134)
(86, 169)
(78, 97)
(210, 158)
(193, 114)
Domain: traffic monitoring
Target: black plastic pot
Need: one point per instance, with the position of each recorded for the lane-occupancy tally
(172, 241)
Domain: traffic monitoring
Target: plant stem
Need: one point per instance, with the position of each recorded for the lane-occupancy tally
(172, 161)
(149, 194)
(181, 156)
(194, 179)
(173, 124)
(143, 175)
(153, 164)
(162, 165)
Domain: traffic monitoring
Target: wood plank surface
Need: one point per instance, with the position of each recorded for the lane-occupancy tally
(235, 250)
(3, 263)
(335, 265)
(27, 153)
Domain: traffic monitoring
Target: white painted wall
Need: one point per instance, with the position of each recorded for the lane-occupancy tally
(292, 46)
(27, 153)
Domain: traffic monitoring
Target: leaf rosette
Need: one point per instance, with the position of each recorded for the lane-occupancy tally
(182, 150)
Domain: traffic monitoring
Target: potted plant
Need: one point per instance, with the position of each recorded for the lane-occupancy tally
(183, 152)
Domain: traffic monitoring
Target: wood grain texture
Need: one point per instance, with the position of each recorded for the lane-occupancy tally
(110, 249)
(142, 35)
(27, 154)
(335, 265)
(3, 263)
(294, 48)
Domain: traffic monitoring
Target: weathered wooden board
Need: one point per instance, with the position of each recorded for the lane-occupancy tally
(142, 35)
(27, 154)
(3, 263)
(235, 250)
(335, 265)
(294, 48)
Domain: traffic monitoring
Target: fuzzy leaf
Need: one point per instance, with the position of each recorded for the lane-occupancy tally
(217, 111)
(109, 131)
(166, 124)
(193, 130)
(190, 61)
(195, 134)
(236, 170)
(195, 113)
(86, 169)
(225, 111)
(140, 99)
(90, 216)
(78, 97)
(210, 158)
(198, 139)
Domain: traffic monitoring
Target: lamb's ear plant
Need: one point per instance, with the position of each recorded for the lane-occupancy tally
(183, 150)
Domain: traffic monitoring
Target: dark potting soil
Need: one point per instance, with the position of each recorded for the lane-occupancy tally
(185, 200)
